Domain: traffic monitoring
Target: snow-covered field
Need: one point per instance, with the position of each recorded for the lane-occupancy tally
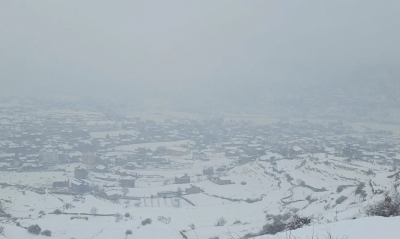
(259, 188)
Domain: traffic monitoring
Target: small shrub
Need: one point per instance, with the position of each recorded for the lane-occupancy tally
(128, 232)
(146, 221)
(165, 220)
(283, 217)
(68, 206)
(94, 210)
(275, 227)
(216, 237)
(127, 215)
(221, 222)
(57, 211)
(46, 233)
(34, 229)
(298, 222)
(237, 222)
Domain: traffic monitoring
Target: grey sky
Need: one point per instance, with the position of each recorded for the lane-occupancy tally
(125, 48)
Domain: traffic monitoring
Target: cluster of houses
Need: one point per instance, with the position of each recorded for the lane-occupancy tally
(43, 141)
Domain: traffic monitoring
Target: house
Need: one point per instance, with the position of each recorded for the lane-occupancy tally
(208, 171)
(177, 151)
(193, 190)
(4, 166)
(80, 186)
(49, 157)
(133, 165)
(182, 180)
(219, 181)
(246, 159)
(61, 184)
(31, 166)
(5, 156)
(199, 156)
(81, 172)
(100, 169)
(295, 150)
(168, 194)
(110, 194)
(127, 182)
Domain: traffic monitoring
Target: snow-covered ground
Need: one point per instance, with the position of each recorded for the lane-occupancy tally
(327, 190)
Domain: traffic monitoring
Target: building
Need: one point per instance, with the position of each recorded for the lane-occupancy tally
(100, 169)
(80, 186)
(127, 182)
(49, 157)
(220, 181)
(110, 194)
(295, 150)
(182, 180)
(88, 158)
(208, 171)
(168, 194)
(61, 184)
(193, 190)
(81, 173)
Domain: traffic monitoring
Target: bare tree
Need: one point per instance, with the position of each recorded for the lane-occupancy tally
(118, 217)
(177, 202)
(93, 210)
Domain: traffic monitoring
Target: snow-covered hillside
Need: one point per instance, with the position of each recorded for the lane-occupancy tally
(362, 228)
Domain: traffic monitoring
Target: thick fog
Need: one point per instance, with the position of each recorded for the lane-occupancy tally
(217, 49)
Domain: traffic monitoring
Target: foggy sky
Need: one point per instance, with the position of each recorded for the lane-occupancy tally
(146, 48)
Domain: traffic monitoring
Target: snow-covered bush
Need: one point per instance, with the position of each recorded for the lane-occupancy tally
(220, 222)
(94, 210)
(388, 207)
(46, 233)
(165, 220)
(128, 232)
(34, 229)
(237, 222)
(118, 217)
(146, 221)
(57, 211)
(297, 222)
(273, 228)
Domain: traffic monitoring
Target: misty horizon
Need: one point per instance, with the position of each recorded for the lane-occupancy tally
(216, 50)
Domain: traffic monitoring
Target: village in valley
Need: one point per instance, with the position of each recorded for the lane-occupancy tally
(68, 162)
